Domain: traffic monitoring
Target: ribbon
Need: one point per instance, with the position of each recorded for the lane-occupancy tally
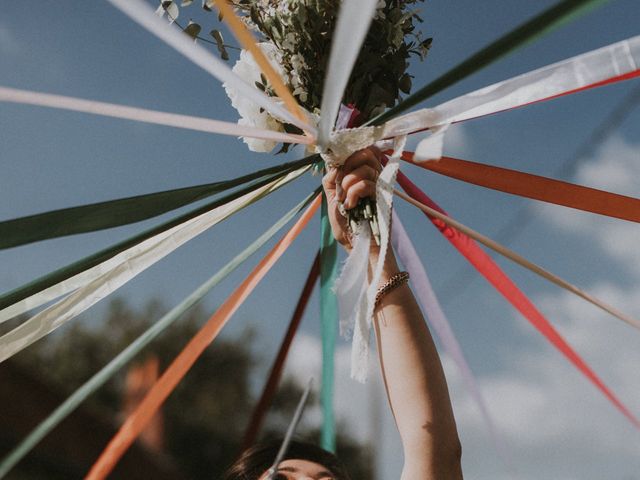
(431, 306)
(539, 25)
(147, 408)
(351, 28)
(144, 255)
(356, 294)
(328, 321)
(199, 124)
(248, 42)
(507, 288)
(72, 276)
(124, 211)
(134, 348)
(351, 285)
(343, 142)
(535, 187)
(141, 13)
(610, 64)
(269, 390)
(511, 255)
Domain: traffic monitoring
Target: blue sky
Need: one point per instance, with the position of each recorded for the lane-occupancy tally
(556, 424)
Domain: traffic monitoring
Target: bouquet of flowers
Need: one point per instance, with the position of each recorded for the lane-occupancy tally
(296, 36)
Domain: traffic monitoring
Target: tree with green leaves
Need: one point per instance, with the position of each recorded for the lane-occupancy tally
(205, 418)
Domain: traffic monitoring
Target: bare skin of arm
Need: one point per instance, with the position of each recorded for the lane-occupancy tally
(411, 368)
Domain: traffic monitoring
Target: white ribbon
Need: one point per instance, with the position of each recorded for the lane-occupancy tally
(356, 295)
(342, 144)
(143, 14)
(103, 279)
(542, 84)
(350, 31)
(351, 286)
(143, 115)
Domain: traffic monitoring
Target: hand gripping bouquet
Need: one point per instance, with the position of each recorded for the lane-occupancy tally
(296, 37)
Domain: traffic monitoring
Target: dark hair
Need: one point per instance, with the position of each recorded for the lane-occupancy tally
(259, 458)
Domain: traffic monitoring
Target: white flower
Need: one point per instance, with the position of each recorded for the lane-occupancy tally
(250, 113)
(289, 42)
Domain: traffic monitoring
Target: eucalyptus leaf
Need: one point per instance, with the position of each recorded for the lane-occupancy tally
(217, 36)
(172, 10)
(192, 29)
(405, 83)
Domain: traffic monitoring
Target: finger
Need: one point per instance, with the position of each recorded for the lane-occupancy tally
(362, 157)
(362, 189)
(363, 172)
(339, 189)
(377, 152)
(329, 180)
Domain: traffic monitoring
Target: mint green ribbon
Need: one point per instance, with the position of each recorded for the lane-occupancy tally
(101, 377)
(329, 321)
(552, 18)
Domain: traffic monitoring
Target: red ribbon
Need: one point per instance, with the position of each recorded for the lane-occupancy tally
(501, 282)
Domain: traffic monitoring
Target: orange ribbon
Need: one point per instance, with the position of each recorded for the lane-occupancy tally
(137, 421)
(248, 43)
(535, 187)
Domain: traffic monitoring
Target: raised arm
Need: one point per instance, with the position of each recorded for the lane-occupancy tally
(411, 368)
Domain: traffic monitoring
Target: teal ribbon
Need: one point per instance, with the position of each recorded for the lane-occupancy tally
(101, 377)
(68, 271)
(123, 211)
(329, 321)
(552, 18)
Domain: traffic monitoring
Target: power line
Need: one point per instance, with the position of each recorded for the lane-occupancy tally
(460, 280)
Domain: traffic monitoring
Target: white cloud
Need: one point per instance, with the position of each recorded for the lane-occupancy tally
(555, 422)
(615, 168)
(352, 399)
(457, 142)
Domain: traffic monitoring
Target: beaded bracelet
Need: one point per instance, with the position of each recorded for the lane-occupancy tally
(398, 279)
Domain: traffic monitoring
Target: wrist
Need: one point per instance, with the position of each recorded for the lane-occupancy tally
(390, 266)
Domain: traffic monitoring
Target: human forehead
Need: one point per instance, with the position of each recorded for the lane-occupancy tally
(295, 469)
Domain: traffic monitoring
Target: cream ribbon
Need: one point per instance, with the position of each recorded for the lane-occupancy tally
(200, 124)
(105, 278)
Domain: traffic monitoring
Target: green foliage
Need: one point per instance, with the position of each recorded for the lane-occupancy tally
(206, 415)
(302, 32)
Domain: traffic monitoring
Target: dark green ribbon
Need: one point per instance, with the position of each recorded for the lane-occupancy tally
(561, 13)
(124, 211)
